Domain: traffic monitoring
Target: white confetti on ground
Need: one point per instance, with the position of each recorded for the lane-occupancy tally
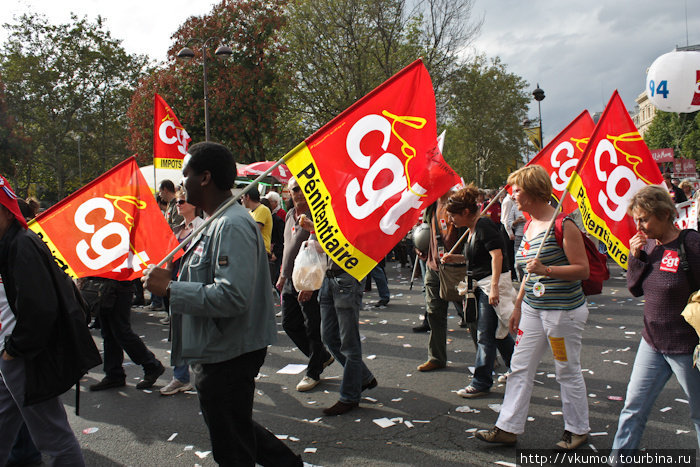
(310, 450)
(665, 409)
(172, 437)
(495, 407)
(202, 454)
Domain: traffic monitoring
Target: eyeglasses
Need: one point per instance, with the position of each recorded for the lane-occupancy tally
(296, 189)
(181, 202)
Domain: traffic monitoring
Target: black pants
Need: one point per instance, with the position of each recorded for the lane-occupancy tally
(117, 335)
(302, 323)
(226, 391)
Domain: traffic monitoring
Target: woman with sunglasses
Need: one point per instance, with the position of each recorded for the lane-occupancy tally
(483, 251)
(181, 373)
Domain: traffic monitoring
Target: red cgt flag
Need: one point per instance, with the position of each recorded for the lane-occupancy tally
(562, 154)
(614, 166)
(170, 139)
(369, 172)
(112, 227)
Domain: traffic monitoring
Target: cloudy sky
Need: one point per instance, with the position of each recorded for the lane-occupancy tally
(579, 51)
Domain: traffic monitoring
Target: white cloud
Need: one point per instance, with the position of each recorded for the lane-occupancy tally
(581, 51)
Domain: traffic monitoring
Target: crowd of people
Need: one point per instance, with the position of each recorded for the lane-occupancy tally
(219, 303)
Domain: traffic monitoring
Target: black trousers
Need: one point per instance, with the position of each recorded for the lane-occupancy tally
(302, 323)
(226, 391)
(117, 335)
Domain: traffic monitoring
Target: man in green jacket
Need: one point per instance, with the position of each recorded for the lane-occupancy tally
(223, 316)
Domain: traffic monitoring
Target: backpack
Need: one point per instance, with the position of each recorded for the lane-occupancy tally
(597, 262)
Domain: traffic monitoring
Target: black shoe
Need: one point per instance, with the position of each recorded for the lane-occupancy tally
(462, 323)
(371, 385)
(382, 302)
(425, 327)
(108, 383)
(150, 377)
(340, 407)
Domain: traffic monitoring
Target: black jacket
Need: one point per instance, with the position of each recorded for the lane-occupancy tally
(50, 332)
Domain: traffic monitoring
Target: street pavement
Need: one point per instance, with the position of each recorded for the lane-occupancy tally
(126, 426)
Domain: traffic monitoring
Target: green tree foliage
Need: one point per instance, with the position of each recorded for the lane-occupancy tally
(244, 93)
(678, 131)
(13, 145)
(67, 86)
(484, 137)
(340, 50)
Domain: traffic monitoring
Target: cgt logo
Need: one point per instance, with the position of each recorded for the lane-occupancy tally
(400, 178)
(180, 136)
(111, 240)
(670, 261)
(621, 181)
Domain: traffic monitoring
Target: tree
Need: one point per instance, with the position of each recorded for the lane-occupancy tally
(484, 137)
(678, 131)
(68, 86)
(342, 49)
(243, 93)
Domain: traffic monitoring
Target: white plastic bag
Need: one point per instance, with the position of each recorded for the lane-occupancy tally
(309, 268)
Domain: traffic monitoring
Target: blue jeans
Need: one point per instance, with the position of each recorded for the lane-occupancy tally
(379, 277)
(650, 373)
(182, 373)
(487, 344)
(341, 299)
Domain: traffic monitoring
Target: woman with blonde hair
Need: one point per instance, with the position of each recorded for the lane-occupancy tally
(550, 311)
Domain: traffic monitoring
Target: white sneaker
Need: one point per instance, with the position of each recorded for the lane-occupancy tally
(307, 383)
(175, 386)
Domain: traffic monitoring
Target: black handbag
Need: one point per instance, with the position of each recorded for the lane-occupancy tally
(470, 304)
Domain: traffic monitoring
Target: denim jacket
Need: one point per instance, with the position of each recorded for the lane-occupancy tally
(222, 302)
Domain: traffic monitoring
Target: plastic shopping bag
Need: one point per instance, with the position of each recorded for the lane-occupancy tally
(309, 268)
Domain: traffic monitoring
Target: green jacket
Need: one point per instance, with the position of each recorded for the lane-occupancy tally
(221, 304)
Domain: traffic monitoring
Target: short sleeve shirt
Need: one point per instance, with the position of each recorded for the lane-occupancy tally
(486, 238)
(262, 216)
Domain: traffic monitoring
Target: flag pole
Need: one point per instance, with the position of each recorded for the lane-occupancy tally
(488, 206)
(227, 204)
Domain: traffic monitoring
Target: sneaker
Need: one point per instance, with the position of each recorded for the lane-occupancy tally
(340, 407)
(153, 307)
(504, 377)
(307, 383)
(165, 320)
(571, 440)
(175, 386)
(496, 435)
(382, 302)
(470, 392)
(150, 377)
(108, 383)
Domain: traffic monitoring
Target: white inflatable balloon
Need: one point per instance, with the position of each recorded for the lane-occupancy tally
(673, 82)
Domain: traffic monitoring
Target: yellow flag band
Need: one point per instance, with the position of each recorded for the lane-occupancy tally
(161, 163)
(57, 256)
(329, 235)
(595, 225)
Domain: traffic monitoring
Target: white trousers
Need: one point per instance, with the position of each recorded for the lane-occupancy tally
(561, 331)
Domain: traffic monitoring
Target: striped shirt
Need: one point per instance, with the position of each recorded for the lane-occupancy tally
(559, 294)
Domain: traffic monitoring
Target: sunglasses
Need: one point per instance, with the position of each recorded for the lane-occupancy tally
(296, 189)
(181, 202)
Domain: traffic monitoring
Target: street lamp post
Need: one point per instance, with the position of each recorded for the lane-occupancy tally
(187, 54)
(539, 97)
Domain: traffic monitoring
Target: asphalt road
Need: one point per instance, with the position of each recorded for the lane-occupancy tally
(142, 428)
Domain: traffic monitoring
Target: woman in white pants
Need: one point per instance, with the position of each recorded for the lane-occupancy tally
(550, 311)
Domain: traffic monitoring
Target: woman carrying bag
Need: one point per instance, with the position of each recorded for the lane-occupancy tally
(494, 292)
(655, 270)
(550, 311)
